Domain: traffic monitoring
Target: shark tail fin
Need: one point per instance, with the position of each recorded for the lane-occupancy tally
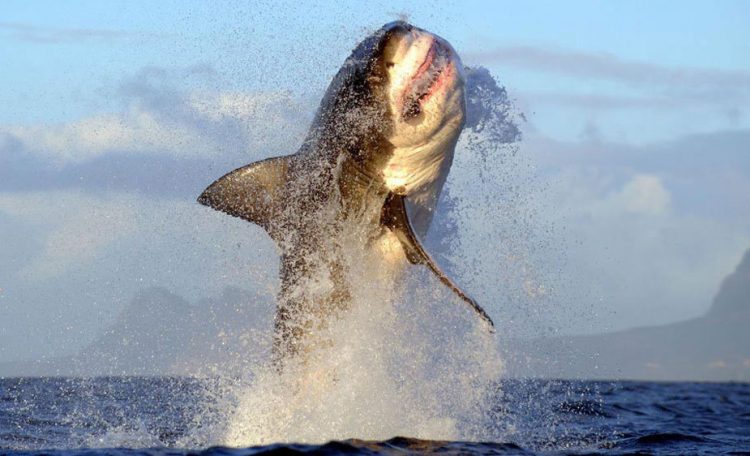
(252, 193)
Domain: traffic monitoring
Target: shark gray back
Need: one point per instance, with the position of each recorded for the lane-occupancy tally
(376, 157)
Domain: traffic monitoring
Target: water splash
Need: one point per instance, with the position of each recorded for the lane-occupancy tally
(406, 361)
(391, 368)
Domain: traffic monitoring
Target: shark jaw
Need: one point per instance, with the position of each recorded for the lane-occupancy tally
(426, 97)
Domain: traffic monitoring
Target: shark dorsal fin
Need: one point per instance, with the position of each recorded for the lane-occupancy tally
(252, 193)
(396, 218)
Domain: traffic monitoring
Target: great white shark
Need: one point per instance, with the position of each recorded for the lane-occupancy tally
(374, 162)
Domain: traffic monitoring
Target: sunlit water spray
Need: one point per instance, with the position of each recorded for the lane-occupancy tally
(406, 358)
(394, 365)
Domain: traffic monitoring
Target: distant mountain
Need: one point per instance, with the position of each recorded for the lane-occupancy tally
(733, 297)
(715, 346)
(161, 333)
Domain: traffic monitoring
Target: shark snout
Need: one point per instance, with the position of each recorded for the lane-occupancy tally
(420, 66)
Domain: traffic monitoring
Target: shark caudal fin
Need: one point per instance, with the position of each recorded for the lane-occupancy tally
(396, 218)
(252, 193)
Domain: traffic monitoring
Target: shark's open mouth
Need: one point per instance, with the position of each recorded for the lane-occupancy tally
(426, 80)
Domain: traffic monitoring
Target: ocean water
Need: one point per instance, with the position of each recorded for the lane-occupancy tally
(163, 415)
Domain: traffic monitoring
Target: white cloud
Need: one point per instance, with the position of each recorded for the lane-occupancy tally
(641, 195)
(645, 194)
(134, 131)
(211, 123)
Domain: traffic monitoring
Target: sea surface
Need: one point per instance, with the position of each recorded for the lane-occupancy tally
(134, 415)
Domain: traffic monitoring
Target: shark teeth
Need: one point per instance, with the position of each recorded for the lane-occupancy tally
(424, 80)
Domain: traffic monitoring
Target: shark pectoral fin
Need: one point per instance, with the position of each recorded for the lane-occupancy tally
(395, 217)
(252, 192)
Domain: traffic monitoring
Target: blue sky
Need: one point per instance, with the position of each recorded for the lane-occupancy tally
(62, 59)
(113, 114)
